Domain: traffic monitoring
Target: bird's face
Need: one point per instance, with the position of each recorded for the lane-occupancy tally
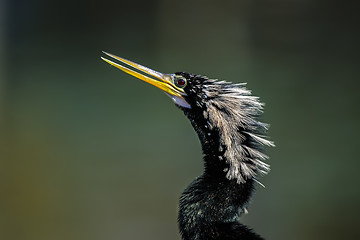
(183, 88)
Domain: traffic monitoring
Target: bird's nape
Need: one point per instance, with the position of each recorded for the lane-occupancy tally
(225, 117)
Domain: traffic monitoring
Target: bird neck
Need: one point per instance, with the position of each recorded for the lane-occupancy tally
(215, 163)
(211, 205)
(209, 209)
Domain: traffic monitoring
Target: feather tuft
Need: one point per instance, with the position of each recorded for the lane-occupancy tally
(227, 104)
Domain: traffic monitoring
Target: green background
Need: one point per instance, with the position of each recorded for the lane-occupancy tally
(88, 152)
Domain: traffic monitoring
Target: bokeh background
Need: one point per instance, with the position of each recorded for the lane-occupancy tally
(88, 152)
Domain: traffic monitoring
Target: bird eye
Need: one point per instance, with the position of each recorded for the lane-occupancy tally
(180, 82)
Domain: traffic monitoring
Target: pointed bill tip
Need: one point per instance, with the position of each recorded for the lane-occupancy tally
(107, 60)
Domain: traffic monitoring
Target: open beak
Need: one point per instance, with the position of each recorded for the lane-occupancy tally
(163, 81)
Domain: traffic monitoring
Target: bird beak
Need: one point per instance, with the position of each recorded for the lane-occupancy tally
(163, 81)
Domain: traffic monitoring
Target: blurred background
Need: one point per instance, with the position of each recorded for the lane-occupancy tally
(88, 152)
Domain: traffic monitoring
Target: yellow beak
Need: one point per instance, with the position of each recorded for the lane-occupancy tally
(164, 81)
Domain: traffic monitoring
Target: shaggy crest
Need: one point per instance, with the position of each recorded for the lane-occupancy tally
(234, 112)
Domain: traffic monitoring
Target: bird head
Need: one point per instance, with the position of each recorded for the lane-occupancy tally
(221, 112)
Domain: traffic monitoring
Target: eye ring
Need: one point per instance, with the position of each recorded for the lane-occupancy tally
(180, 81)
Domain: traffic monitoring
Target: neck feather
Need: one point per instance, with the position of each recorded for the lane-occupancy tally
(226, 120)
(212, 204)
(210, 208)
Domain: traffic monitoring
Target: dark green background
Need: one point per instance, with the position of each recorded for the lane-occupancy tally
(88, 152)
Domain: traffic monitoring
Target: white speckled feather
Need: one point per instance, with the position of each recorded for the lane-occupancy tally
(230, 107)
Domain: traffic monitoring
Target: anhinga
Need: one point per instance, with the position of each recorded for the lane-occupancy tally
(225, 117)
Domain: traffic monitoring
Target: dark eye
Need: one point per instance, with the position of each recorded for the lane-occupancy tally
(180, 82)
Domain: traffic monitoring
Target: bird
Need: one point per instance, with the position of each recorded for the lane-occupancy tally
(226, 118)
